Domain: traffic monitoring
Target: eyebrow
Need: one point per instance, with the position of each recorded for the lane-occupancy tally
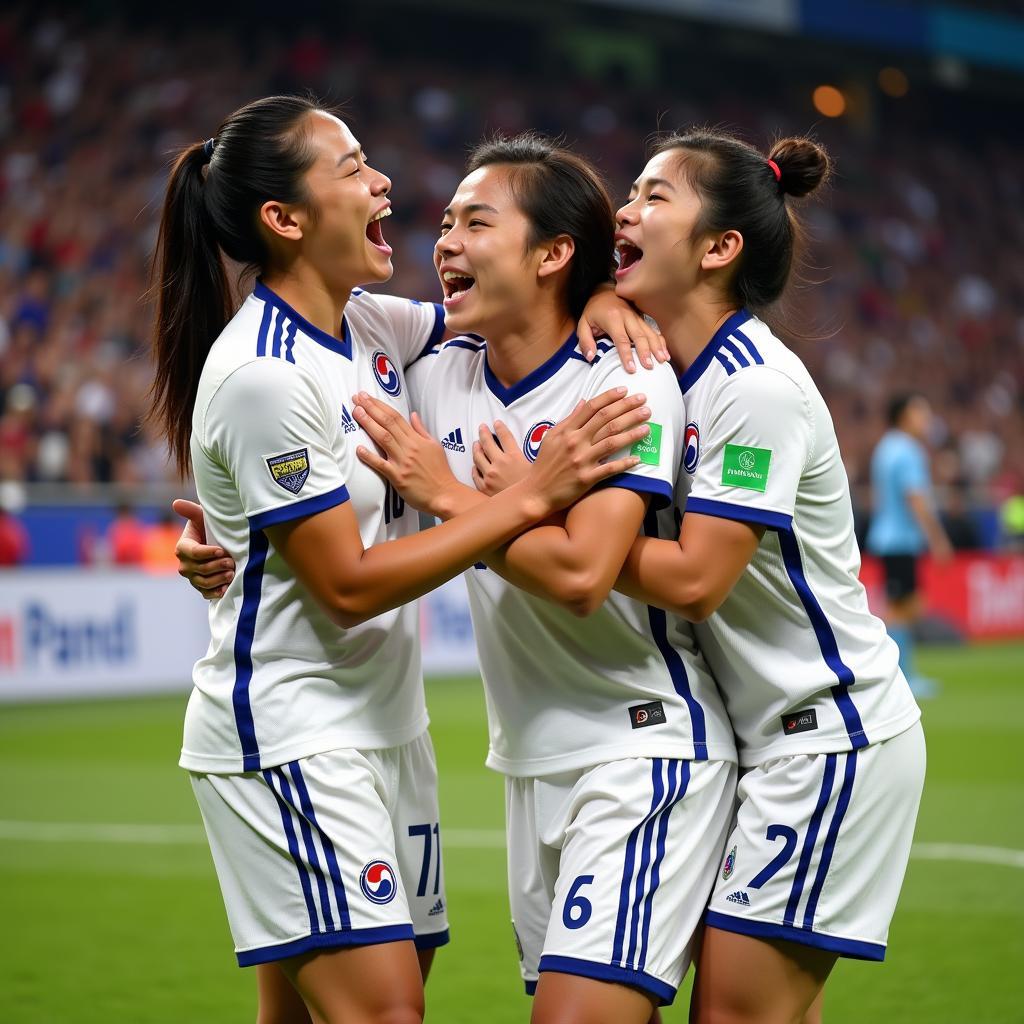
(654, 183)
(472, 208)
(351, 155)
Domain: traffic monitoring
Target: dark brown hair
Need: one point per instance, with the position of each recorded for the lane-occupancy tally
(561, 194)
(740, 191)
(214, 193)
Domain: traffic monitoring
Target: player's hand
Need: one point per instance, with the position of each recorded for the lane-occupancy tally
(572, 454)
(498, 461)
(414, 463)
(207, 567)
(941, 550)
(607, 314)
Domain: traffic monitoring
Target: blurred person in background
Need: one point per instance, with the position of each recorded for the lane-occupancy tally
(14, 543)
(904, 524)
(125, 540)
(158, 544)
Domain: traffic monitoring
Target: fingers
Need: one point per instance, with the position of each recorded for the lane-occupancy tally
(616, 442)
(382, 422)
(620, 421)
(480, 460)
(190, 510)
(488, 443)
(608, 412)
(192, 551)
(646, 337)
(605, 470)
(506, 439)
(587, 342)
(380, 466)
(417, 425)
(624, 343)
(584, 411)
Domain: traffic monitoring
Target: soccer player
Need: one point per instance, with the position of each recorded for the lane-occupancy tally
(603, 716)
(904, 523)
(766, 566)
(305, 734)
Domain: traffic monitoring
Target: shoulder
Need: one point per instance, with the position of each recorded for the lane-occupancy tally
(765, 387)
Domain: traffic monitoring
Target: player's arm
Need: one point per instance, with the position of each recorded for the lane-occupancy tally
(916, 492)
(752, 455)
(605, 313)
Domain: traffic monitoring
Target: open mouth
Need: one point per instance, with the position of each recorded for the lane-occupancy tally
(629, 255)
(456, 284)
(374, 232)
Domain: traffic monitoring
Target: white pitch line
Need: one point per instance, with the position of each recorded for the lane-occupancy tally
(456, 838)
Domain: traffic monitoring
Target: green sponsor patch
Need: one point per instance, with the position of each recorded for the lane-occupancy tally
(648, 448)
(744, 466)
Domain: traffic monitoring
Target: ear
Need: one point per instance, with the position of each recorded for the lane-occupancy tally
(555, 255)
(722, 250)
(282, 220)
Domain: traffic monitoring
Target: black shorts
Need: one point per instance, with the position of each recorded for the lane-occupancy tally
(900, 576)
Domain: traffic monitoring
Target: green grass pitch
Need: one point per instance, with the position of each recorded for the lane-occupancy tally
(105, 927)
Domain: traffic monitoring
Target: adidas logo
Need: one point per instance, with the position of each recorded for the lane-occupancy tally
(453, 442)
(740, 897)
(437, 908)
(347, 422)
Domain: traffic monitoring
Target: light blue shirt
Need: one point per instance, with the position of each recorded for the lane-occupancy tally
(899, 466)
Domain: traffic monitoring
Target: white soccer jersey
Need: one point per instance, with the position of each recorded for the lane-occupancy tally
(802, 663)
(564, 692)
(273, 439)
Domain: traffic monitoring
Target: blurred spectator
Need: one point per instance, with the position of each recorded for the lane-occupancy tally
(126, 538)
(14, 547)
(158, 545)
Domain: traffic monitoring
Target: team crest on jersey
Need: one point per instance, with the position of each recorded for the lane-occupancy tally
(378, 882)
(290, 469)
(691, 448)
(730, 865)
(348, 424)
(534, 436)
(387, 376)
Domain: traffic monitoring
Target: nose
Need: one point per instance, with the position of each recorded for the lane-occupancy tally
(381, 182)
(447, 244)
(626, 214)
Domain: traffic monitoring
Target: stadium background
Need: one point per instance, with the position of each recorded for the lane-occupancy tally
(915, 278)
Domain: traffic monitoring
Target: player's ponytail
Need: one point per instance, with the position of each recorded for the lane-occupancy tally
(214, 194)
(741, 189)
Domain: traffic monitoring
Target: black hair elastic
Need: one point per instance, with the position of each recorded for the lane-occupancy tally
(208, 149)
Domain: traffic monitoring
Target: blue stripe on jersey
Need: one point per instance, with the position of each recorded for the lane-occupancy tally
(289, 342)
(312, 858)
(296, 509)
(735, 352)
(465, 343)
(630, 860)
(684, 782)
(764, 930)
(658, 620)
(252, 586)
(293, 849)
(342, 347)
(660, 490)
(738, 335)
(261, 337)
(826, 639)
(729, 368)
(278, 325)
(741, 513)
(810, 840)
(330, 855)
(332, 940)
(532, 380)
(696, 369)
(602, 348)
(661, 990)
(842, 804)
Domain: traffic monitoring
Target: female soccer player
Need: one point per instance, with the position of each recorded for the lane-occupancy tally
(766, 564)
(603, 716)
(305, 734)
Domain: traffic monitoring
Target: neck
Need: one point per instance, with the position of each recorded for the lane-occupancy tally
(308, 294)
(691, 325)
(516, 351)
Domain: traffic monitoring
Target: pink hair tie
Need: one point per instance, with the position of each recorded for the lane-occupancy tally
(775, 170)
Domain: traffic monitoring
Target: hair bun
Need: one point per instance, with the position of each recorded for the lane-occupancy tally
(803, 165)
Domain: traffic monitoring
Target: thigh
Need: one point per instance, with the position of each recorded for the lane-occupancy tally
(305, 857)
(820, 847)
(278, 1001)
(642, 842)
(418, 839)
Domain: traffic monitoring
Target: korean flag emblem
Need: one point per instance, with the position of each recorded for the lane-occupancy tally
(290, 470)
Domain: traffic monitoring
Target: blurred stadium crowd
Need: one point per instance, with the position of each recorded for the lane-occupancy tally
(916, 265)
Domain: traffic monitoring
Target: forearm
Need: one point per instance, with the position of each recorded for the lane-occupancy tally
(928, 521)
(663, 574)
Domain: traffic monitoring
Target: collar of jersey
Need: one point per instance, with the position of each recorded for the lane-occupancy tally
(707, 353)
(534, 378)
(343, 346)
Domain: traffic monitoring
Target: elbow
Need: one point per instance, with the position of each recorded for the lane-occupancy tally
(349, 610)
(697, 603)
(581, 593)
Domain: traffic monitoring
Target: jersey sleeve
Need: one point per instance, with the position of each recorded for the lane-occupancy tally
(415, 327)
(752, 450)
(269, 426)
(912, 471)
(659, 452)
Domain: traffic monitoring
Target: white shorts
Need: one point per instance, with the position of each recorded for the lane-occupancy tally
(820, 846)
(336, 849)
(610, 867)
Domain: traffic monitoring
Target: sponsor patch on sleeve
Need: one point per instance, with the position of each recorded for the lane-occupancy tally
(800, 721)
(290, 469)
(746, 466)
(643, 715)
(649, 448)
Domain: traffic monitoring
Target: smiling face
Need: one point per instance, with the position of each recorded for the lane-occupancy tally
(344, 238)
(659, 254)
(488, 271)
